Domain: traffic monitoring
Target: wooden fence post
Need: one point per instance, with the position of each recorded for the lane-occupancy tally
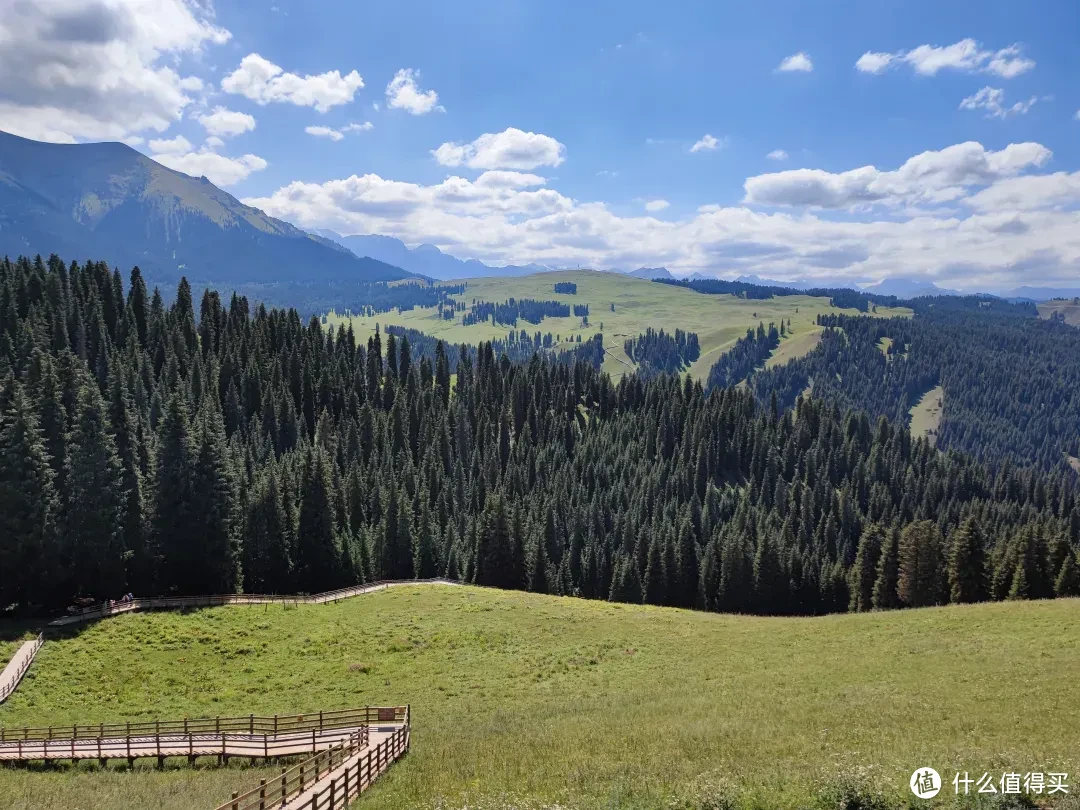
(235, 804)
(262, 794)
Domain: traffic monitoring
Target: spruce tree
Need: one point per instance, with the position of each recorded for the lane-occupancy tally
(426, 555)
(967, 565)
(174, 500)
(864, 571)
(94, 513)
(318, 552)
(921, 580)
(885, 595)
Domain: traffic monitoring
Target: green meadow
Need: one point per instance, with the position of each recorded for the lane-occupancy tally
(528, 701)
(718, 320)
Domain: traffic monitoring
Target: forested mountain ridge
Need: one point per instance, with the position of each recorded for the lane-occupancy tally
(1011, 381)
(107, 199)
(155, 449)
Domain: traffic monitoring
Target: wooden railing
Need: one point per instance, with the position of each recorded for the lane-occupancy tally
(331, 778)
(249, 725)
(106, 609)
(7, 688)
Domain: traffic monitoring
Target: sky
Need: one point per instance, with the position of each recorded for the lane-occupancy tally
(830, 140)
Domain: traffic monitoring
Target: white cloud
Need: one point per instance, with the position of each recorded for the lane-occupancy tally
(225, 123)
(264, 82)
(170, 146)
(653, 206)
(324, 132)
(1029, 193)
(218, 169)
(777, 154)
(1027, 235)
(797, 62)
(178, 153)
(874, 62)
(992, 100)
(509, 149)
(98, 69)
(403, 93)
(966, 56)
(706, 143)
(338, 134)
(929, 178)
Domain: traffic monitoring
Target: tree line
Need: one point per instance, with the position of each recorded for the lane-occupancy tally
(657, 352)
(1011, 381)
(160, 449)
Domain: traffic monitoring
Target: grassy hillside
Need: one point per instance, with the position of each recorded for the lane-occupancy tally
(522, 700)
(1069, 309)
(719, 320)
(926, 414)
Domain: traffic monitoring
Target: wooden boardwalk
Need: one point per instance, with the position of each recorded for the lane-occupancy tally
(17, 666)
(345, 751)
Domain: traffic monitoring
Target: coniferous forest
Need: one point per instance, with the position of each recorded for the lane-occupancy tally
(211, 447)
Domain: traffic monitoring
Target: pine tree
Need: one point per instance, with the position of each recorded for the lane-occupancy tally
(265, 559)
(28, 503)
(770, 584)
(920, 581)
(426, 555)
(864, 571)
(210, 533)
(318, 550)
(174, 500)
(885, 595)
(655, 587)
(1068, 579)
(538, 573)
(967, 564)
(94, 512)
(686, 566)
(495, 553)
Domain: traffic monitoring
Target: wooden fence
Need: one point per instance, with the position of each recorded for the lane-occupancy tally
(106, 609)
(14, 677)
(250, 725)
(330, 779)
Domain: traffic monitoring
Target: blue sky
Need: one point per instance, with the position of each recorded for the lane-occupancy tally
(565, 133)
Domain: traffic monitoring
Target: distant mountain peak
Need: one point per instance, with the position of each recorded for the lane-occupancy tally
(107, 201)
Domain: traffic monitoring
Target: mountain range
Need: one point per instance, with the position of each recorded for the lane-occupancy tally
(424, 260)
(106, 201)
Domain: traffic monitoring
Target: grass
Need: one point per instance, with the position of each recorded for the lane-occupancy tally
(926, 414)
(718, 320)
(1069, 308)
(522, 700)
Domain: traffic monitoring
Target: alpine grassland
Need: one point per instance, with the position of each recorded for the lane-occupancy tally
(527, 701)
(718, 320)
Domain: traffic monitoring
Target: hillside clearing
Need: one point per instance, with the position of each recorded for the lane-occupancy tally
(926, 415)
(526, 700)
(718, 320)
(1069, 309)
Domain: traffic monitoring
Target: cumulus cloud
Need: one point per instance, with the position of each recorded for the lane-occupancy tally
(324, 132)
(264, 82)
(797, 62)
(403, 93)
(509, 149)
(777, 154)
(1029, 193)
(992, 100)
(653, 206)
(170, 146)
(501, 218)
(706, 143)
(98, 69)
(967, 56)
(338, 134)
(178, 153)
(225, 123)
(929, 178)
